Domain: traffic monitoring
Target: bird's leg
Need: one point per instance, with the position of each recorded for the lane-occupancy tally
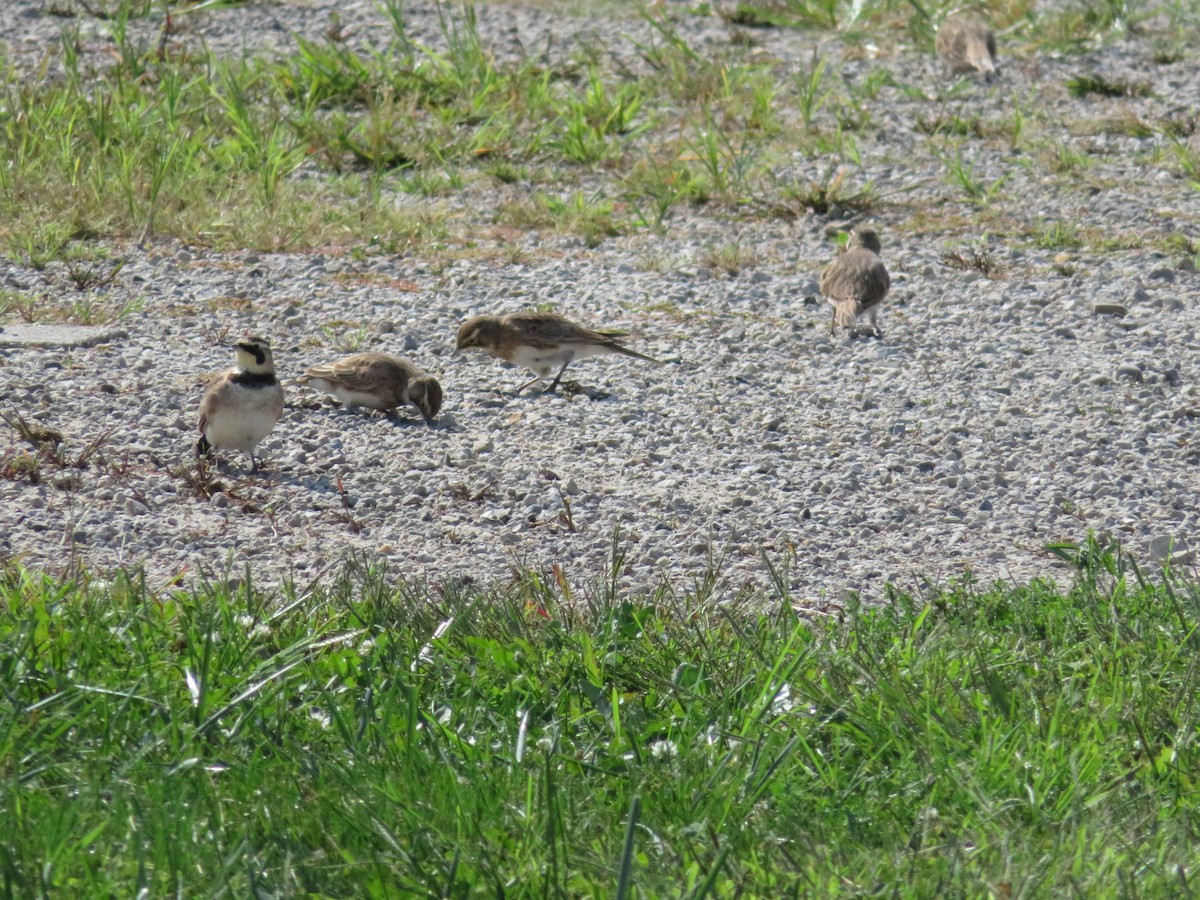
(557, 378)
(533, 380)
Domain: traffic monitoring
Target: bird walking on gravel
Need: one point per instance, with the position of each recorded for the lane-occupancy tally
(378, 381)
(540, 342)
(965, 44)
(242, 404)
(856, 282)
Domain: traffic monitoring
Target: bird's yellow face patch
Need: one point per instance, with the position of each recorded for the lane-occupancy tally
(253, 354)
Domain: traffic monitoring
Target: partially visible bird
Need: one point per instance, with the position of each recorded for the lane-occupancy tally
(856, 282)
(540, 342)
(965, 44)
(242, 404)
(378, 381)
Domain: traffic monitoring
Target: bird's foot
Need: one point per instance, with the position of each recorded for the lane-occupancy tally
(574, 389)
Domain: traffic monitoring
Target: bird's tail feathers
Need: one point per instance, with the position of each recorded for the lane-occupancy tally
(623, 349)
(845, 313)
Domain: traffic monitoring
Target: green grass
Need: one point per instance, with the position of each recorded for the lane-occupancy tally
(308, 149)
(375, 739)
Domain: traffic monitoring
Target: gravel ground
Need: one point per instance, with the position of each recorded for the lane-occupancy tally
(995, 415)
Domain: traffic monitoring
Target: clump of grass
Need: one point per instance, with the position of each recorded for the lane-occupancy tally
(1066, 158)
(1188, 160)
(382, 738)
(21, 465)
(749, 15)
(656, 184)
(51, 452)
(979, 258)
(962, 172)
(87, 308)
(1058, 235)
(347, 337)
(726, 158)
(1099, 86)
(21, 304)
(1165, 55)
(832, 191)
(591, 216)
(731, 259)
(1074, 27)
(946, 123)
(812, 89)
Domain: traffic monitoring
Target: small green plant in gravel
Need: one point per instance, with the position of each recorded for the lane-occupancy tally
(592, 216)
(1066, 158)
(832, 190)
(962, 173)
(1058, 235)
(978, 257)
(1098, 85)
(731, 259)
(813, 89)
(1188, 161)
(84, 308)
(18, 305)
(727, 164)
(346, 337)
(656, 184)
(376, 739)
(683, 73)
(592, 119)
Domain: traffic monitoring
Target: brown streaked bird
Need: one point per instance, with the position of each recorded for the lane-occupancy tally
(242, 404)
(540, 342)
(965, 44)
(378, 381)
(856, 282)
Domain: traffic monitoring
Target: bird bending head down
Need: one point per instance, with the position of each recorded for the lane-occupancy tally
(540, 342)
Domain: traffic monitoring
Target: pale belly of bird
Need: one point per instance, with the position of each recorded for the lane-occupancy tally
(246, 416)
(548, 360)
(355, 398)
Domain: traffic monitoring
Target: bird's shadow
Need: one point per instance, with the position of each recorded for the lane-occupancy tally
(566, 389)
(367, 414)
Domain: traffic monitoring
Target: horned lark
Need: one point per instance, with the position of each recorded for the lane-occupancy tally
(856, 282)
(540, 342)
(378, 381)
(242, 405)
(966, 44)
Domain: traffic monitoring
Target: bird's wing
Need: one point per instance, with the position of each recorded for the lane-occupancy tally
(857, 274)
(208, 402)
(361, 372)
(550, 329)
(837, 279)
